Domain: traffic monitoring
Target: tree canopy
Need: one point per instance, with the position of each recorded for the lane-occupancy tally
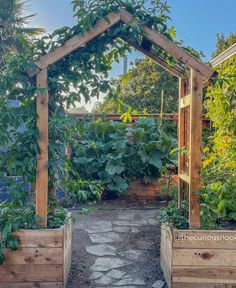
(224, 43)
(141, 88)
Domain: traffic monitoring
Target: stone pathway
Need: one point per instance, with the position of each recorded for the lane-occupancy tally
(116, 248)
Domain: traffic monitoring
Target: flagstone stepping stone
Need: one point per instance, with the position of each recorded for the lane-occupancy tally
(98, 227)
(104, 280)
(158, 284)
(152, 221)
(137, 223)
(95, 275)
(126, 215)
(102, 238)
(134, 230)
(121, 229)
(101, 250)
(129, 281)
(144, 245)
(116, 274)
(131, 254)
(104, 264)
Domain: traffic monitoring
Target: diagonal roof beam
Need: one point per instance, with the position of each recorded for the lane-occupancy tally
(74, 43)
(173, 70)
(169, 46)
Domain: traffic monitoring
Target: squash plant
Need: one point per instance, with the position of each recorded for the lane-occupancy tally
(117, 154)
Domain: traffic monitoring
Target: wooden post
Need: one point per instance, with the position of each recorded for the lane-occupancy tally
(181, 127)
(196, 88)
(42, 158)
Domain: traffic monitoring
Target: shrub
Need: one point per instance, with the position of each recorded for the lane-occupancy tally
(116, 153)
(218, 195)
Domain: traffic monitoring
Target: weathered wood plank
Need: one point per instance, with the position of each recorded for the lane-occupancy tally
(202, 285)
(32, 285)
(40, 238)
(31, 273)
(174, 71)
(181, 127)
(204, 274)
(184, 177)
(204, 239)
(185, 101)
(201, 257)
(196, 87)
(166, 253)
(169, 46)
(67, 253)
(76, 42)
(32, 256)
(42, 158)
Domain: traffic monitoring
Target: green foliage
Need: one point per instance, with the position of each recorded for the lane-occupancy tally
(223, 43)
(174, 216)
(80, 190)
(141, 89)
(117, 154)
(14, 217)
(219, 166)
(13, 27)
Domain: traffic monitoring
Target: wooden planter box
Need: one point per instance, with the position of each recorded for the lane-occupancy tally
(198, 259)
(43, 259)
(141, 191)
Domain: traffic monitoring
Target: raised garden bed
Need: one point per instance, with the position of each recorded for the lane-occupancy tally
(197, 258)
(43, 259)
(141, 191)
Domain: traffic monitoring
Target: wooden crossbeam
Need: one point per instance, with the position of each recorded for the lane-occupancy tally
(169, 46)
(42, 158)
(75, 42)
(184, 177)
(174, 71)
(185, 101)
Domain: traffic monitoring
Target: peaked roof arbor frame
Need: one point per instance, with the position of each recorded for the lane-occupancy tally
(190, 107)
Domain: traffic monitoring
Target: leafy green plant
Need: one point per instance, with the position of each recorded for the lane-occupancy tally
(175, 216)
(116, 154)
(14, 217)
(219, 165)
(79, 190)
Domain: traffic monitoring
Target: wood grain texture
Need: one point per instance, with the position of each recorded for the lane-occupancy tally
(31, 273)
(32, 285)
(43, 259)
(204, 274)
(40, 238)
(192, 262)
(195, 164)
(169, 46)
(67, 252)
(166, 253)
(181, 129)
(139, 190)
(201, 257)
(204, 239)
(203, 285)
(173, 70)
(32, 256)
(42, 158)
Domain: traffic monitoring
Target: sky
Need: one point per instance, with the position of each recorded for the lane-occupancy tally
(196, 21)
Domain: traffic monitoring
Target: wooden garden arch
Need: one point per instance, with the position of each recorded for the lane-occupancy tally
(190, 107)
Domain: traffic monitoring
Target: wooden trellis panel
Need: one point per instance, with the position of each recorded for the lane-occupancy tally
(42, 158)
(190, 136)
